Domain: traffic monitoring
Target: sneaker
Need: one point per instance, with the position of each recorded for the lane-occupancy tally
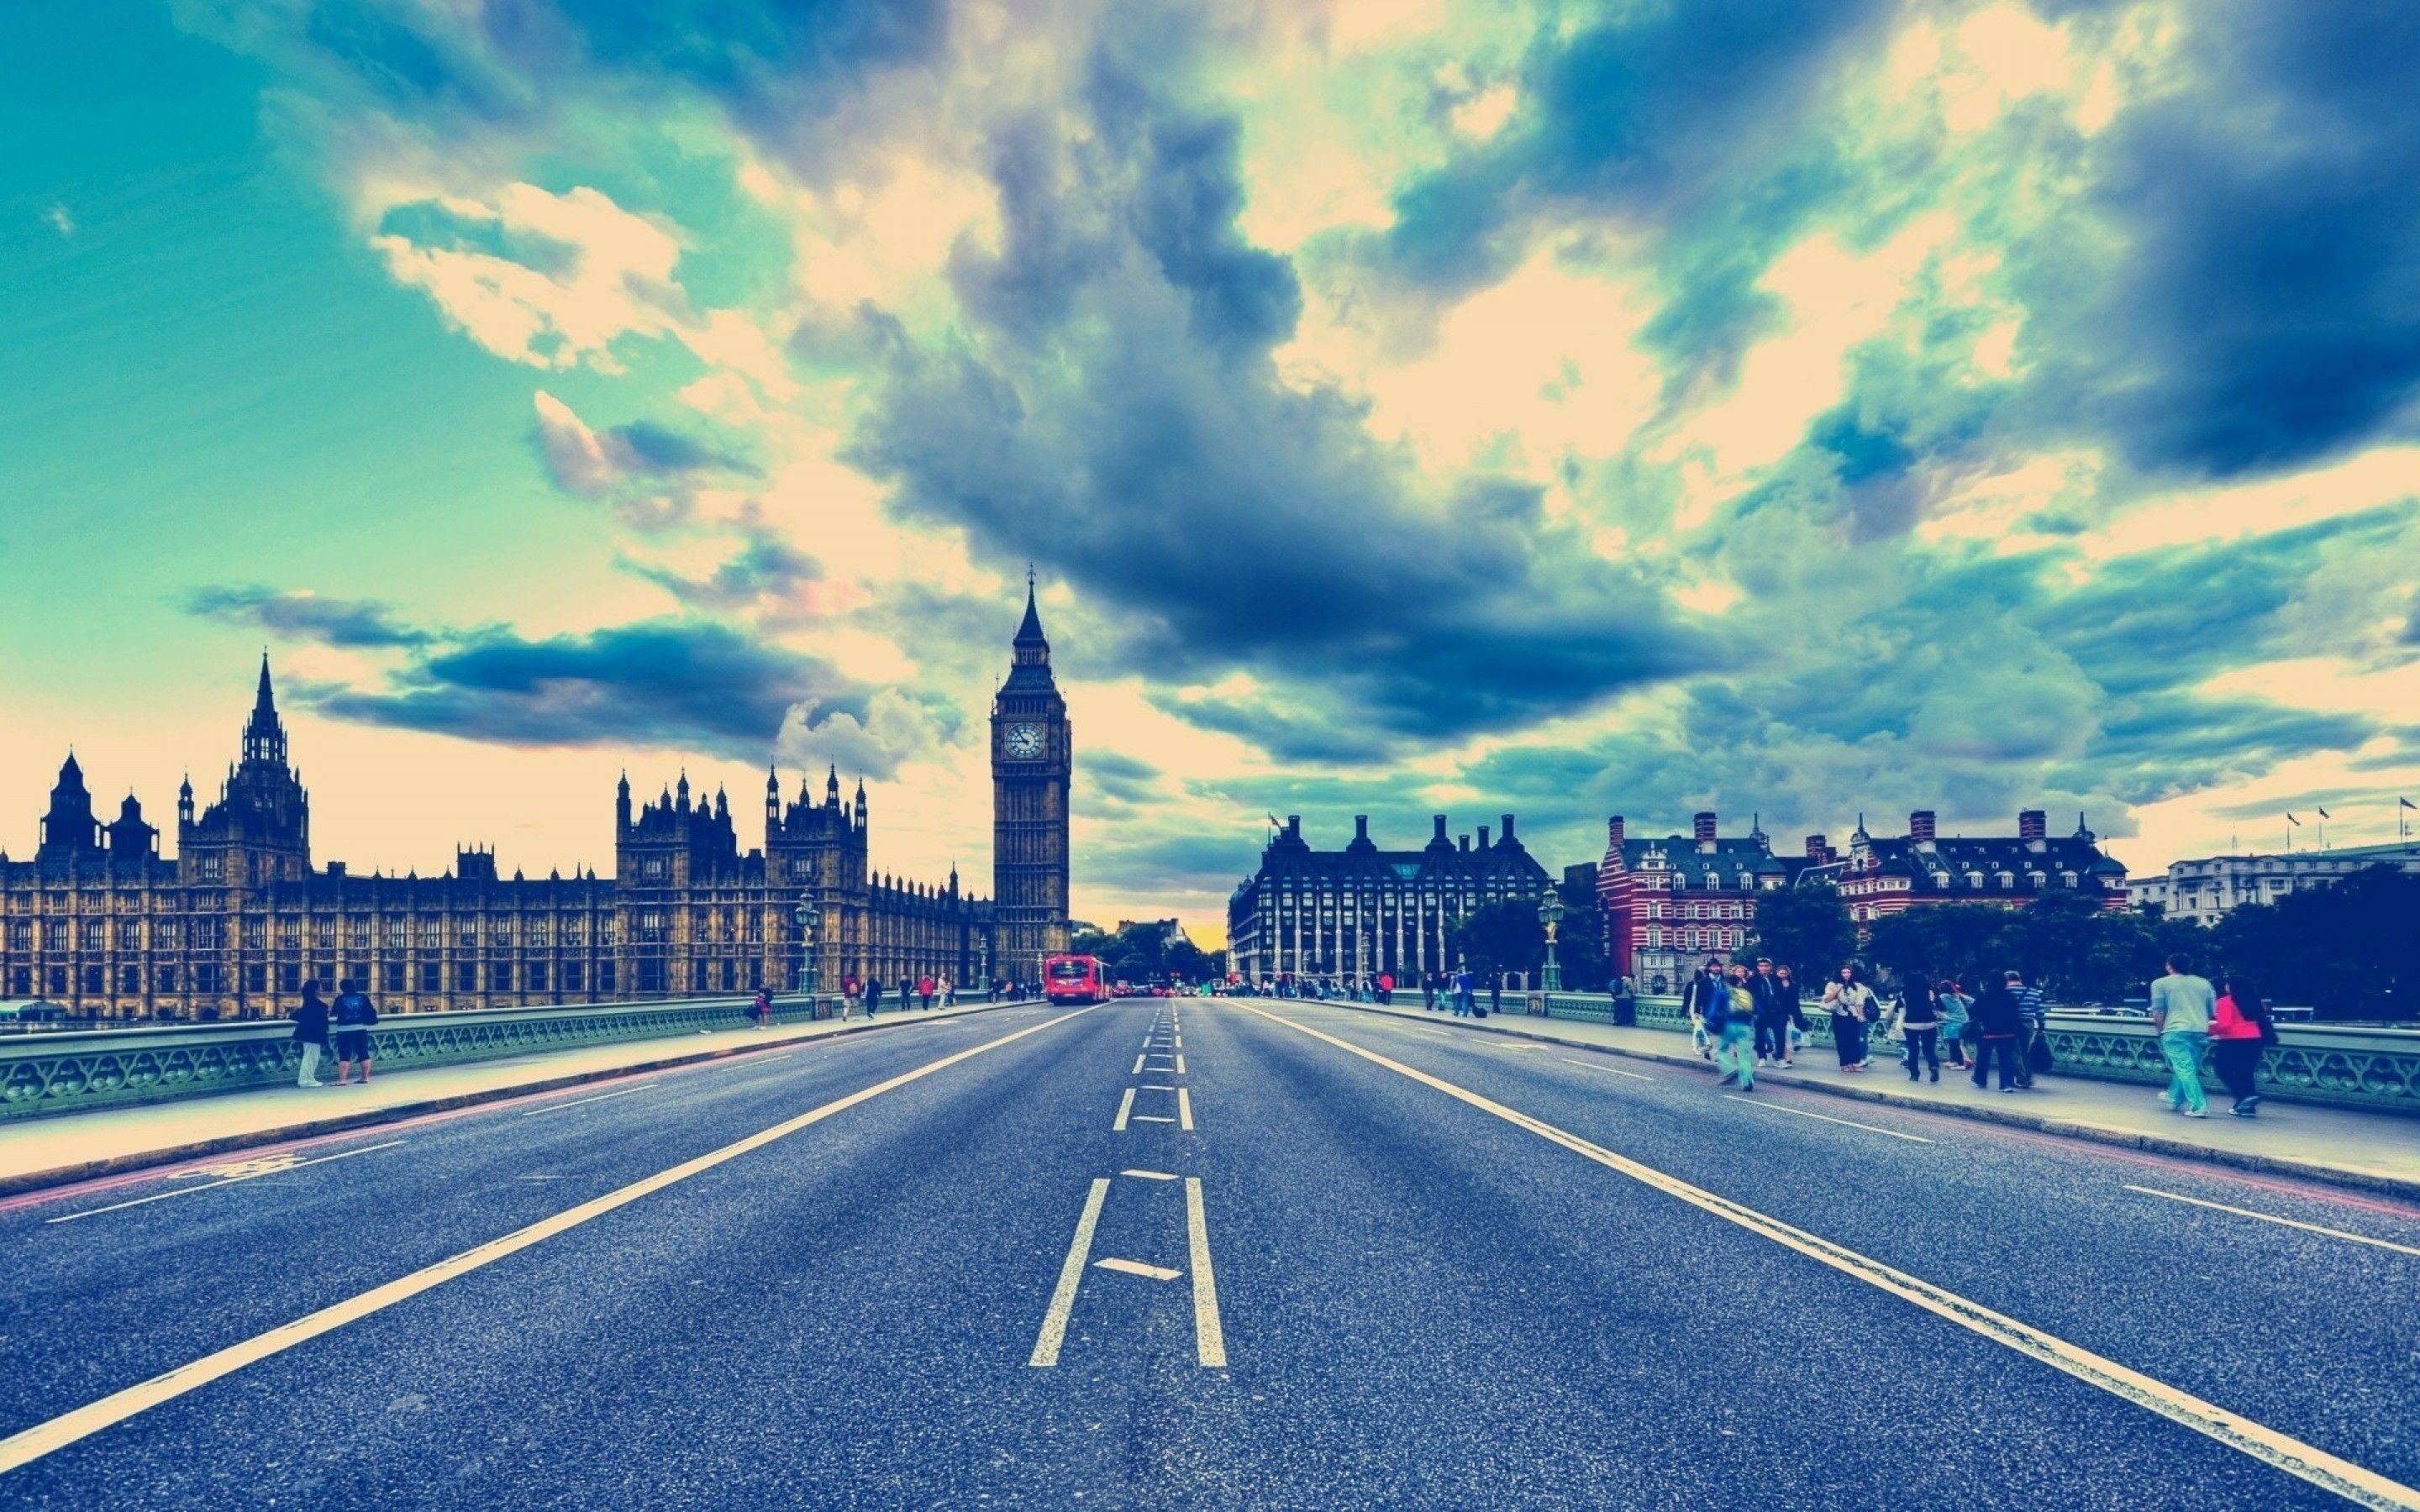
(1748, 1087)
(1728, 1079)
(312, 1084)
(1937, 1073)
(2240, 1111)
(2195, 1113)
(2008, 1089)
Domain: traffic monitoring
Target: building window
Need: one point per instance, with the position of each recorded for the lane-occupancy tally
(206, 977)
(430, 980)
(571, 976)
(500, 977)
(92, 981)
(255, 978)
(289, 977)
(391, 979)
(604, 976)
(167, 978)
(466, 977)
(537, 976)
(129, 978)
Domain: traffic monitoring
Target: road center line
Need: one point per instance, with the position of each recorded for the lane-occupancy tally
(1137, 1071)
(1610, 1070)
(1209, 1339)
(2281, 1451)
(1152, 1118)
(25, 1447)
(1157, 1086)
(2264, 1217)
(1184, 1108)
(207, 1186)
(1071, 1275)
(1125, 1111)
(583, 1102)
(1845, 1124)
(1180, 1065)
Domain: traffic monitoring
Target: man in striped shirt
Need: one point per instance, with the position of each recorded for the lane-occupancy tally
(2036, 1014)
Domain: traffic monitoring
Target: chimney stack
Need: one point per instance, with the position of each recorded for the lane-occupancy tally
(1482, 836)
(1706, 830)
(1437, 836)
(1819, 850)
(1613, 833)
(1361, 826)
(2033, 825)
(1919, 826)
(1508, 829)
(1294, 824)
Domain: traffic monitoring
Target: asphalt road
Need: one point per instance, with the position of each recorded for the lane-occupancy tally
(1202, 1255)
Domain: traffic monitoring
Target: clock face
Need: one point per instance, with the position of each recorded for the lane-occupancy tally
(1025, 740)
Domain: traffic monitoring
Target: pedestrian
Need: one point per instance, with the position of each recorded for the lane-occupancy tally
(311, 1033)
(874, 996)
(354, 1013)
(1772, 1016)
(1731, 1016)
(1625, 1004)
(2033, 1042)
(949, 993)
(1697, 1001)
(1953, 1004)
(925, 992)
(1919, 1026)
(2239, 1030)
(1462, 999)
(1998, 1024)
(1786, 992)
(1851, 1003)
(1386, 989)
(1494, 995)
(2182, 1004)
(762, 1010)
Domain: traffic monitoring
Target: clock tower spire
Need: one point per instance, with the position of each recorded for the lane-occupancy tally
(1031, 757)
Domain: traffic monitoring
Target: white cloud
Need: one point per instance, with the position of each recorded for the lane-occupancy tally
(60, 221)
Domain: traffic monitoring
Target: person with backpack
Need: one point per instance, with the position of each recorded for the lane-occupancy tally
(1919, 1026)
(311, 1033)
(1730, 1017)
(2239, 1030)
(1851, 1003)
(354, 1014)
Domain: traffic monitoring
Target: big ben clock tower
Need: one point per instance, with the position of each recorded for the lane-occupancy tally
(1032, 756)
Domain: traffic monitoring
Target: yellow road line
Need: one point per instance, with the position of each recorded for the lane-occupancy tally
(1071, 1275)
(2353, 1482)
(1209, 1339)
(2264, 1217)
(1125, 1111)
(25, 1447)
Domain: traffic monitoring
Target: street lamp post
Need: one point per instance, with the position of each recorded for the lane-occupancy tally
(811, 918)
(1550, 913)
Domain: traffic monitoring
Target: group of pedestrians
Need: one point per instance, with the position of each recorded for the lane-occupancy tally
(2231, 1022)
(345, 1022)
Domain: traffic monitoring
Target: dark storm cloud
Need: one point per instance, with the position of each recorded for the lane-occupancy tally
(1117, 415)
(354, 624)
(688, 684)
(765, 572)
(1118, 777)
(2266, 310)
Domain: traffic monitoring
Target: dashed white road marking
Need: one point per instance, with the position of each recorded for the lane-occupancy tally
(583, 1102)
(1137, 1071)
(1209, 1339)
(1158, 1272)
(208, 1186)
(1152, 1175)
(2272, 1218)
(1845, 1124)
(1157, 1086)
(1180, 1065)
(1152, 1118)
(2281, 1451)
(1610, 1070)
(1071, 1275)
(1184, 1108)
(1125, 1110)
(29, 1445)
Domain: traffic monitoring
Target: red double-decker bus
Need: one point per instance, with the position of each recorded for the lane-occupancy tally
(1072, 979)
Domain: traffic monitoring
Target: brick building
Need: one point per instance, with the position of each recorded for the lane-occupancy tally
(1673, 901)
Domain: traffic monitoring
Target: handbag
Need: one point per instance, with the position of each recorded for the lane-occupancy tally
(2038, 1053)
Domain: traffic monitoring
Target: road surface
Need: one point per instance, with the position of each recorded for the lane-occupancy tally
(1204, 1254)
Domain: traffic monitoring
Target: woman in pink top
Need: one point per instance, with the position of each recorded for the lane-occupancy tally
(2239, 1030)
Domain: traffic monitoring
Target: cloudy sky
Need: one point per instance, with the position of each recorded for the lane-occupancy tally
(1409, 405)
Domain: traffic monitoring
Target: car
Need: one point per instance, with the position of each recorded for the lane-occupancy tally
(32, 1011)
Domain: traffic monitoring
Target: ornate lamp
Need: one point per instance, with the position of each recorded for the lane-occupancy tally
(811, 918)
(1550, 913)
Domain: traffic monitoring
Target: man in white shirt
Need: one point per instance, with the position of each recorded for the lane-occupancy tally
(2182, 1004)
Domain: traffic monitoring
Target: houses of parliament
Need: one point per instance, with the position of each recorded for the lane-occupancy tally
(101, 923)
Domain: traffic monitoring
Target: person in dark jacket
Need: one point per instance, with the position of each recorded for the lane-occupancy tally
(1999, 1028)
(1730, 1018)
(354, 1014)
(1700, 999)
(1793, 1012)
(1919, 1026)
(873, 996)
(1772, 1015)
(311, 1033)
(1625, 1004)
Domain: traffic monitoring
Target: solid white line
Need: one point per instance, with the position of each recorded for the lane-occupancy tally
(1775, 1107)
(2271, 1218)
(1125, 1110)
(1071, 1275)
(1157, 1086)
(25, 1447)
(2281, 1451)
(1152, 1175)
(207, 1186)
(1184, 1108)
(1150, 1117)
(1610, 1070)
(1209, 1339)
(583, 1102)
(1158, 1272)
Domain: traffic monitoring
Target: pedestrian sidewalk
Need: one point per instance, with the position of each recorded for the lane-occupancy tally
(2379, 1151)
(48, 1152)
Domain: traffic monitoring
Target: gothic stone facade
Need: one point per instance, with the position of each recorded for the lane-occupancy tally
(97, 920)
(1362, 911)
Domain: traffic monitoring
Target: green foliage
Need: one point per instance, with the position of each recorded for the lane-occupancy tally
(2347, 951)
(1500, 937)
(1579, 945)
(1805, 929)
(1143, 953)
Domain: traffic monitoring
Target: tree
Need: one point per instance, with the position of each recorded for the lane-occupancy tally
(1805, 929)
(1959, 940)
(1498, 938)
(1579, 947)
(2348, 951)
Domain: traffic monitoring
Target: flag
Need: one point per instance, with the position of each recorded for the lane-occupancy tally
(1273, 820)
(2292, 819)
(2408, 803)
(2323, 813)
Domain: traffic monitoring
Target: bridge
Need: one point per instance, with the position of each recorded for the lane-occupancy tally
(1179, 1253)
